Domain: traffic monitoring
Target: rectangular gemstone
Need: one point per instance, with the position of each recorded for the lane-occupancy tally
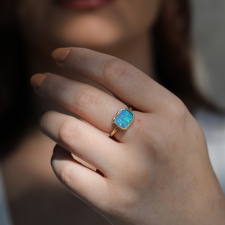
(124, 119)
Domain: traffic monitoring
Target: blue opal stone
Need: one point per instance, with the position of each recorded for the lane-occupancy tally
(124, 119)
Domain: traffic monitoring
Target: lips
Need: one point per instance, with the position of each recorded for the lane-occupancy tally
(82, 4)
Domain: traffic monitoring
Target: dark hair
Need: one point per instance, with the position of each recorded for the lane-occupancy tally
(15, 103)
(173, 54)
(173, 61)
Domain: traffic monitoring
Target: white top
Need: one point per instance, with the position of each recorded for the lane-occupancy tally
(5, 218)
(213, 126)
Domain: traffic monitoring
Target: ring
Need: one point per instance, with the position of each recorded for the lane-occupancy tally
(122, 120)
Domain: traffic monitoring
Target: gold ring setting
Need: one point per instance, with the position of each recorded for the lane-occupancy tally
(122, 120)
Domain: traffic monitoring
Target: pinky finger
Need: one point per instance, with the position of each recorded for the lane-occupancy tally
(83, 182)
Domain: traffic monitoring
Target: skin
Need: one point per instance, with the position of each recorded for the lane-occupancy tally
(157, 172)
(38, 197)
(102, 29)
(121, 29)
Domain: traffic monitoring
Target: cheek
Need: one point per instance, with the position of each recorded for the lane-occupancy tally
(140, 14)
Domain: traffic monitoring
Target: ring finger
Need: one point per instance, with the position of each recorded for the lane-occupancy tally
(81, 139)
(93, 105)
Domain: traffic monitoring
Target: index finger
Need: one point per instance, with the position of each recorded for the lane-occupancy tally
(125, 81)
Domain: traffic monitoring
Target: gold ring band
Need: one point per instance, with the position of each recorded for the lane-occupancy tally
(122, 120)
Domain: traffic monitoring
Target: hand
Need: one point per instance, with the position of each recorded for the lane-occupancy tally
(156, 172)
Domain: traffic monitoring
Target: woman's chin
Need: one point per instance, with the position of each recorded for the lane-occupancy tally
(92, 44)
(89, 40)
(93, 37)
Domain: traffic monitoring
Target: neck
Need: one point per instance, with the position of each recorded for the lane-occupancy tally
(137, 52)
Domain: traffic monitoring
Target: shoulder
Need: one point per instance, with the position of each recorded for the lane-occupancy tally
(212, 124)
(5, 217)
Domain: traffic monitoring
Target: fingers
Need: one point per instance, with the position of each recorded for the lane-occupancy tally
(125, 81)
(81, 139)
(90, 103)
(86, 184)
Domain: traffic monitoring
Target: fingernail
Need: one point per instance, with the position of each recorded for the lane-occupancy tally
(37, 80)
(60, 54)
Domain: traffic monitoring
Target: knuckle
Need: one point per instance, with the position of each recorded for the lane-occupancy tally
(113, 70)
(67, 131)
(141, 126)
(67, 174)
(178, 111)
(86, 98)
(49, 85)
(138, 129)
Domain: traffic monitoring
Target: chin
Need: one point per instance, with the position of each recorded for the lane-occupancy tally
(93, 34)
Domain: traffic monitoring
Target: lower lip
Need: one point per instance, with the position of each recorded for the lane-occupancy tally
(83, 4)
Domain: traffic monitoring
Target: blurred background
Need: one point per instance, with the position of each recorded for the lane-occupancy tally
(208, 24)
(209, 37)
